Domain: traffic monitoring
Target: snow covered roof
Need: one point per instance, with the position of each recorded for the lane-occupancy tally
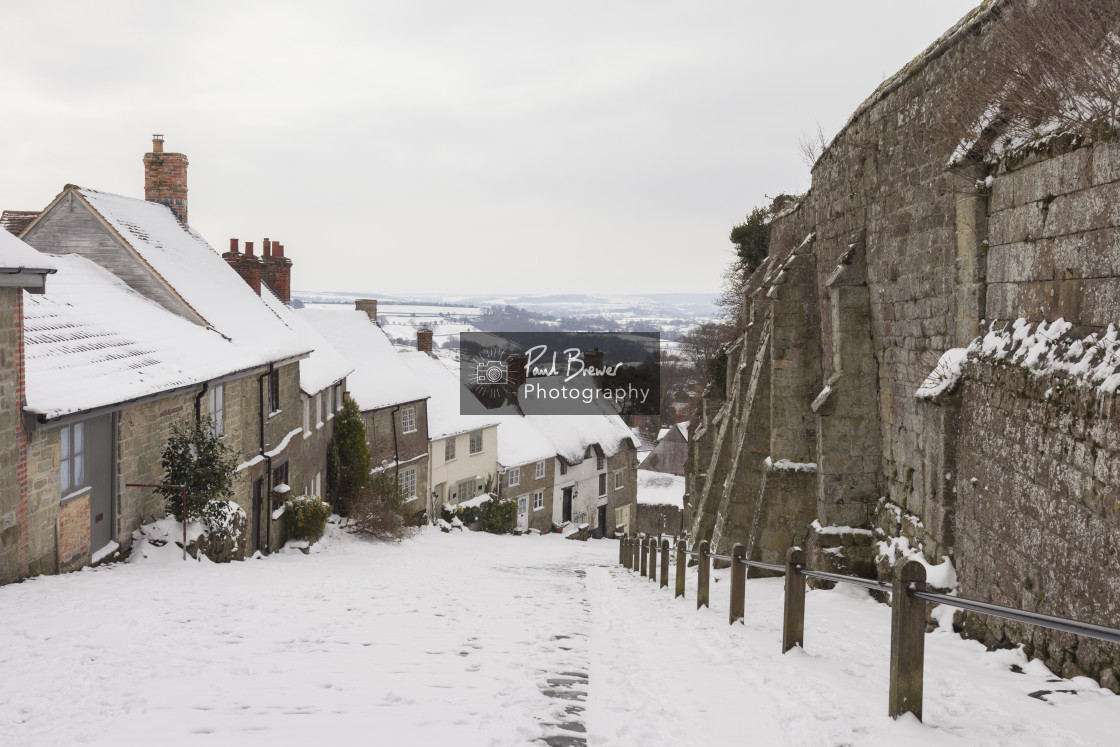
(325, 365)
(660, 489)
(197, 274)
(91, 341)
(519, 442)
(16, 255)
(444, 389)
(380, 378)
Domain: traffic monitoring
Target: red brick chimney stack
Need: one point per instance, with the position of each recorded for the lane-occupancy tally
(424, 341)
(165, 178)
(276, 270)
(368, 305)
(246, 265)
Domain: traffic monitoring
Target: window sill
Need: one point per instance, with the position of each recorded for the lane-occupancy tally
(306, 434)
(319, 425)
(75, 495)
(274, 413)
(539, 508)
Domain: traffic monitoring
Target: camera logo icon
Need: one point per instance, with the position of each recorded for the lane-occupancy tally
(491, 372)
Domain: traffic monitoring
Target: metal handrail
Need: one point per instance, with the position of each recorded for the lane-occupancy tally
(764, 566)
(866, 583)
(713, 556)
(1034, 618)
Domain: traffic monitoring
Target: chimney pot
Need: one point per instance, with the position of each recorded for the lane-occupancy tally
(249, 248)
(279, 249)
(233, 246)
(267, 248)
(157, 143)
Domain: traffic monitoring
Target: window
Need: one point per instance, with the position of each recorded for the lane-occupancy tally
(538, 500)
(618, 479)
(602, 484)
(522, 505)
(306, 417)
(339, 395)
(408, 420)
(540, 470)
(515, 476)
(319, 410)
(476, 442)
(317, 485)
(599, 462)
(216, 409)
(279, 477)
(407, 481)
(273, 392)
(449, 450)
(563, 467)
(73, 465)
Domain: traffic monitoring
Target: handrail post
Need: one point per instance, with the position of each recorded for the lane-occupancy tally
(738, 584)
(702, 575)
(643, 556)
(622, 550)
(664, 563)
(793, 620)
(681, 563)
(653, 559)
(908, 640)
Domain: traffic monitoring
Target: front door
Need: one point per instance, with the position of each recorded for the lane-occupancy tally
(602, 521)
(98, 446)
(566, 493)
(523, 513)
(258, 501)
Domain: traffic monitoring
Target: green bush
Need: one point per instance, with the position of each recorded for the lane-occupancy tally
(353, 454)
(194, 456)
(497, 516)
(305, 518)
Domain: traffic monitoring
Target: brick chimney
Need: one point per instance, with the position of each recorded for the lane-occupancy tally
(165, 178)
(424, 341)
(246, 265)
(276, 270)
(368, 305)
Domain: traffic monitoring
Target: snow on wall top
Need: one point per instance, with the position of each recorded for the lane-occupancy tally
(660, 489)
(1044, 349)
(325, 365)
(444, 391)
(183, 259)
(16, 255)
(91, 341)
(380, 378)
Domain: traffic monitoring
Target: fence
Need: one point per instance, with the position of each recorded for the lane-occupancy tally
(908, 608)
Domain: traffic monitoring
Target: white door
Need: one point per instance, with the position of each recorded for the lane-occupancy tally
(523, 513)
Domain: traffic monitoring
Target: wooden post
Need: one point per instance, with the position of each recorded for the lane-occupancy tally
(738, 584)
(681, 564)
(908, 640)
(622, 551)
(642, 556)
(703, 572)
(635, 550)
(793, 622)
(653, 559)
(664, 563)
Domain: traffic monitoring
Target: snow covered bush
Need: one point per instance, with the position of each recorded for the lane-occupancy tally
(196, 457)
(378, 510)
(497, 516)
(305, 518)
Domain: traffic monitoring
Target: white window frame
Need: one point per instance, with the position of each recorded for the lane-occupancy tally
(319, 410)
(563, 467)
(538, 500)
(619, 479)
(449, 450)
(602, 484)
(408, 420)
(407, 480)
(339, 396)
(539, 474)
(72, 468)
(306, 403)
(600, 463)
(216, 409)
(514, 476)
(473, 450)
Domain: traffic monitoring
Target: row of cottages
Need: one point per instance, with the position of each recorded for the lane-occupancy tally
(394, 405)
(140, 325)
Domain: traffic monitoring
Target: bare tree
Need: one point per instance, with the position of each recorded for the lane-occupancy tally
(812, 146)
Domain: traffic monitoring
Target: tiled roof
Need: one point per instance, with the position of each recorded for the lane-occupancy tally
(14, 221)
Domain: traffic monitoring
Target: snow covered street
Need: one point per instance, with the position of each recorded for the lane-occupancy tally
(477, 639)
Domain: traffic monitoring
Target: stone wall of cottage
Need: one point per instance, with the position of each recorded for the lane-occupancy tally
(411, 447)
(889, 261)
(13, 508)
(625, 460)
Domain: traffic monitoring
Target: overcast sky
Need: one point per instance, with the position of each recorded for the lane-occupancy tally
(452, 146)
